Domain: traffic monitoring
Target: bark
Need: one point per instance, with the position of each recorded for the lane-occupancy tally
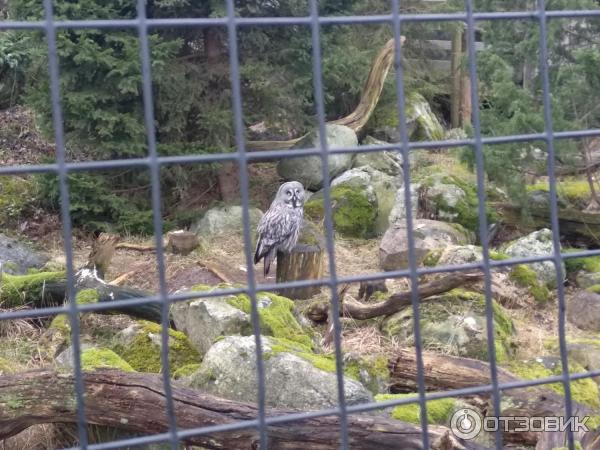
(574, 223)
(304, 262)
(456, 54)
(443, 373)
(133, 402)
(396, 302)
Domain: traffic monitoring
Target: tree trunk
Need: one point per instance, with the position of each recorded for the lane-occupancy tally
(350, 308)
(456, 77)
(136, 402)
(305, 262)
(182, 242)
(45, 289)
(466, 106)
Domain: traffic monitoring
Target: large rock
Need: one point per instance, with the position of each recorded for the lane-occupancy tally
(385, 161)
(225, 220)
(140, 346)
(16, 258)
(537, 243)
(292, 381)
(454, 323)
(362, 200)
(308, 169)
(428, 235)
(421, 122)
(382, 186)
(583, 310)
(398, 212)
(206, 319)
(452, 199)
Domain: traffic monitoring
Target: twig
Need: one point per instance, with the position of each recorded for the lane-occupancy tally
(122, 278)
(214, 271)
(139, 248)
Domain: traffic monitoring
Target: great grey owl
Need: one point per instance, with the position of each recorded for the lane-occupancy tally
(279, 228)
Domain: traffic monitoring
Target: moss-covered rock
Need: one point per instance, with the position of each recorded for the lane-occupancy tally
(276, 317)
(17, 290)
(354, 210)
(229, 370)
(584, 391)
(455, 323)
(439, 411)
(372, 371)
(101, 358)
(525, 276)
(452, 199)
(575, 192)
(140, 344)
(185, 371)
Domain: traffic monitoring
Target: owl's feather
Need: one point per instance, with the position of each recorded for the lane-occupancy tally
(279, 228)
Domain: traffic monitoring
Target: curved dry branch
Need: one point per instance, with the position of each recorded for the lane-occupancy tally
(358, 118)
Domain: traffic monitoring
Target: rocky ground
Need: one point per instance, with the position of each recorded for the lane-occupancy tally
(211, 348)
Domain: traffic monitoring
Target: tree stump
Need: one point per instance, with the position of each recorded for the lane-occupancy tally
(182, 242)
(304, 262)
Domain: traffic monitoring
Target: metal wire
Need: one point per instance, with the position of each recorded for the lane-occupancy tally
(153, 162)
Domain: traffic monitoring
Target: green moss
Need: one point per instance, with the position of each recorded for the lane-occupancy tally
(353, 214)
(459, 300)
(525, 276)
(98, 358)
(465, 211)
(577, 446)
(185, 371)
(276, 319)
(587, 264)
(584, 391)
(432, 258)
(143, 353)
(575, 192)
(498, 256)
(16, 290)
(438, 411)
(87, 296)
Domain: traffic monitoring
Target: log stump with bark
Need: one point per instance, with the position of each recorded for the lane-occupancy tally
(304, 262)
(182, 242)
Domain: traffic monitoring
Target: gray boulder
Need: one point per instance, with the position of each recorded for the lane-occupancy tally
(459, 254)
(380, 187)
(583, 310)
(536, 244)
(225, 220)
(16, 258)
(428, 235)
(384, 161)
(454, 323)
(308, 169)
(398, 212)
(586, 280)
(206, 319)
(229, 370)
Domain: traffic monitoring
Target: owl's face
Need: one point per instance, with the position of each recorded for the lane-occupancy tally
(291, 194)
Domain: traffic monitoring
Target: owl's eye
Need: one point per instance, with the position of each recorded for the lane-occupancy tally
(289, 193)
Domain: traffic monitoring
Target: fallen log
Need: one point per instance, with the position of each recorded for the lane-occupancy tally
(318, 311)
(133, 401)
(46, 289)
(574, 223)
(444, 372)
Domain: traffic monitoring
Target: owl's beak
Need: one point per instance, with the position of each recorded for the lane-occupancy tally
(295, 201)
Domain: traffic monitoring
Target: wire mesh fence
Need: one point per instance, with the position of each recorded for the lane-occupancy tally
(153, 162)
